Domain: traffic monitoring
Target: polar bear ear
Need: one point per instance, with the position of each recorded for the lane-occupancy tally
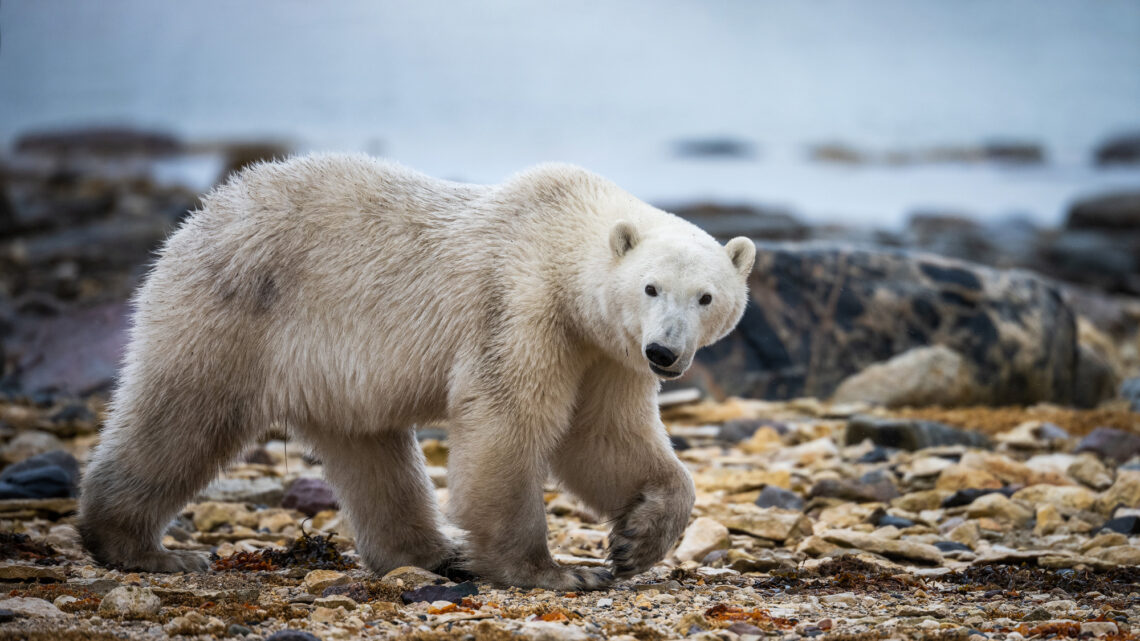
(623, 237)
(742, 253)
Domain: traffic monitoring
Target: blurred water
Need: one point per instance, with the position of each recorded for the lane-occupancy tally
(478, 90)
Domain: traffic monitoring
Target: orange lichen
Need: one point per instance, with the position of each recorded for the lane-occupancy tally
(722, 612)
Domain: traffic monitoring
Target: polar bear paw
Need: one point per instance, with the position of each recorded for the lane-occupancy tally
(647, 530)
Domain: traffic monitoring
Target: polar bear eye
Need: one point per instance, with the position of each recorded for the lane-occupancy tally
(651, 290)
(706, 299)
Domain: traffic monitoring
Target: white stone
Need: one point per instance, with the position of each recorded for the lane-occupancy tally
(130, 601)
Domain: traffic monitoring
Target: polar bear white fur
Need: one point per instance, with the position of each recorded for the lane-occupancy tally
(350, 299)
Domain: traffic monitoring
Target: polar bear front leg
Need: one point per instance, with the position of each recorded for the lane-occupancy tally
(617, 458)
(497, 463)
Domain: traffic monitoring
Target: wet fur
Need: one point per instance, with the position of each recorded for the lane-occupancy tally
(351, 299)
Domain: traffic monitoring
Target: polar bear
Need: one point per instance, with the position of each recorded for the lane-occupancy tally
(350, 299)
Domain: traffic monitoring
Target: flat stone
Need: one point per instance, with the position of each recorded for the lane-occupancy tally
(766, 523)
(30, 607)
(18, 572)
(410, 577)
(317, 581)
(896, 549)
(701, 537)
(1120, 555)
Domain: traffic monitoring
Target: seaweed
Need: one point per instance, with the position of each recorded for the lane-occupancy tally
(21, 546)
(312, 551)
(1014, 578)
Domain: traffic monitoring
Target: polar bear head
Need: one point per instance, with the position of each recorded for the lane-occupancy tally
(674, 289)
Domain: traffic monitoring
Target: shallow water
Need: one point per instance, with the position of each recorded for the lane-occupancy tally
(476, 91)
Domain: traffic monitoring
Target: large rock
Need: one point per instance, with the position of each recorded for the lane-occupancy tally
(1111, 212)
(935, 375)
(822, 312)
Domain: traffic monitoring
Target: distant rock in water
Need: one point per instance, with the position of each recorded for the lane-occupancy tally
(731, 148)
(820, 312)
(1119, 150)
(727, 221)
(108, 141)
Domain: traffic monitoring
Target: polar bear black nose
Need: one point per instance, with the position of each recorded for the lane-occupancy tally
(660, 355)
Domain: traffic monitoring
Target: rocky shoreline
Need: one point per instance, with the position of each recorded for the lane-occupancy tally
(837, 521)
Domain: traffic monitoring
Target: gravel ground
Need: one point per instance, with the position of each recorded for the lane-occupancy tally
(812, 520)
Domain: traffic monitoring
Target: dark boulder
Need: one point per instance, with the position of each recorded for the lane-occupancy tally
(309, 495)
(49, 475)
(1117, 211)
(821, 312)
